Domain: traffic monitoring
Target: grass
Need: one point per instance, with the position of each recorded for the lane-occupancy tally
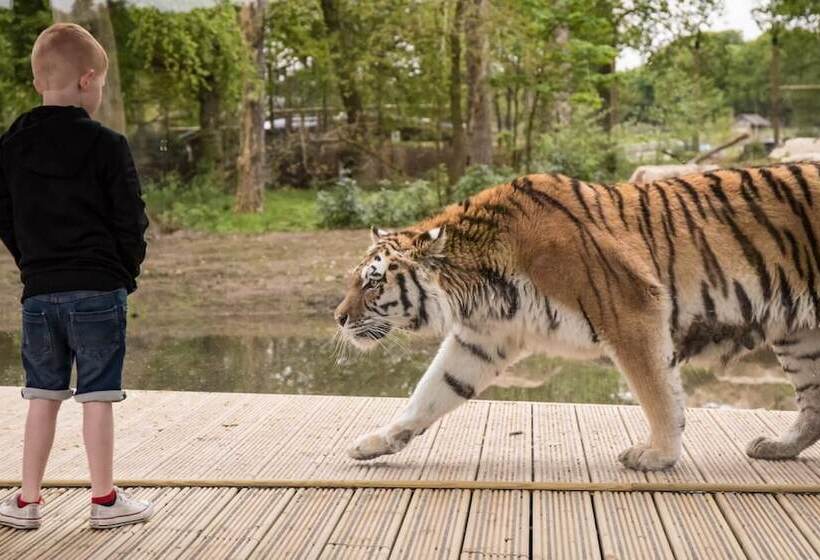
(202, 206)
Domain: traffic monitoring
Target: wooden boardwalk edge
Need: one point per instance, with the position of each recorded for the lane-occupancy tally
(556, 486)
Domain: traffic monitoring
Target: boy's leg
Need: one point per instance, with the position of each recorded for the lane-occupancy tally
(39, 436)
(47, 363)
(98, 435)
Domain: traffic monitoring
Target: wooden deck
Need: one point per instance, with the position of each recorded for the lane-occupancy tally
(276, 438)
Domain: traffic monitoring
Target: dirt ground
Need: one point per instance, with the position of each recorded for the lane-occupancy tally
(272, 284)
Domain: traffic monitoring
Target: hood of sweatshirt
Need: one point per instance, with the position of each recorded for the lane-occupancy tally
(50, 140)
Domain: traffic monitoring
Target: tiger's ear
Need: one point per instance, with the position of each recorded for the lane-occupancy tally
(377, 233)
(431, 242)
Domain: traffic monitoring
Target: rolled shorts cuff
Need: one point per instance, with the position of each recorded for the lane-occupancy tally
(30, 393)
(101, 396)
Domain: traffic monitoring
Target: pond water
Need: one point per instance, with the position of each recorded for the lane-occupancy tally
(308, 365)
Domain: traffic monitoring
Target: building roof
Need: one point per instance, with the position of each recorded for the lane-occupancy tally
(753, 119)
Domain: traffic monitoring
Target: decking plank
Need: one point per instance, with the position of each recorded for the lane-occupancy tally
(629, 526)
(305, 525)
(564, 526)
(742, 426)
(696, 528)
(604, 436)
(763, 527)
(713, 451)
(434, 525)
(369, 526)
(237, 530)
(558, 452)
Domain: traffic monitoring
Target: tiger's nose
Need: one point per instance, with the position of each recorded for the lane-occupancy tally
(341, 318)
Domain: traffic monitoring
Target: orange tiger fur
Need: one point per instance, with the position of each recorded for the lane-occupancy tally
(708, 264)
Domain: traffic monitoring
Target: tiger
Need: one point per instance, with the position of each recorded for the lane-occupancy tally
(698, 269)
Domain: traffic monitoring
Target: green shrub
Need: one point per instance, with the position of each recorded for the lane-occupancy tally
(390, 207)
(341, 205)
(583, 149)
(480, 177)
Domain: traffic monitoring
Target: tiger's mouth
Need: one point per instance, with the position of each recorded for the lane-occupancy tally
(367, 338)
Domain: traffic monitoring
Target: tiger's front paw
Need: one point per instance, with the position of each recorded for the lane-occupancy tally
(379, 443)
(642, 457)
(767, 448)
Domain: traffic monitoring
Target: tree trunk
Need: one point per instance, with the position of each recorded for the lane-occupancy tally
(562, 107)
(530, 125)
(774, 84)
(480, 143)
(210, 109)
(455, 163)
(343, 63)
(250, 164)
(94, 16)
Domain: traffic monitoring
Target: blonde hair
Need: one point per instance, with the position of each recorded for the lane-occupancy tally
(64, 52)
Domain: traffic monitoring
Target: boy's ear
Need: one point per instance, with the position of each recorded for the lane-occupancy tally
(377, 233)
(87, 78)
(431, 242)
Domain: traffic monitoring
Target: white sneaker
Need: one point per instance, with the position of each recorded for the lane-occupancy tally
(28, 517)
(124, 511)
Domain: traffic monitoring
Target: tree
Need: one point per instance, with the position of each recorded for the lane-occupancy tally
(251, 162)
(480, 142)
(94, 16)
(456, 161)
(192, 60)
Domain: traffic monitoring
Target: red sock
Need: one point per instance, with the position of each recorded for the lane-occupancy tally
(21, 503)
(107, 500)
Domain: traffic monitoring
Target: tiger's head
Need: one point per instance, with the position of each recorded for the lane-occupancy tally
(392, 289)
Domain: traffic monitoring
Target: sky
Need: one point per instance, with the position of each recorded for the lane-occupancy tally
(737, 14)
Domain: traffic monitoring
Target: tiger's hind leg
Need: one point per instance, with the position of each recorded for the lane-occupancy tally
(799, 354)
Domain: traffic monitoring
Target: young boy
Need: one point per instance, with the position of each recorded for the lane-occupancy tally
(72, 216)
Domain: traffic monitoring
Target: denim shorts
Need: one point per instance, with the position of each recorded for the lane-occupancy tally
(86, 328)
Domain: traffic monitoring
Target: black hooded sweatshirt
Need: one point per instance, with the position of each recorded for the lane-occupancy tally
(71, 209)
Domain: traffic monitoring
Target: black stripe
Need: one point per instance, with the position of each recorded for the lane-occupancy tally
(690, 222)
(770, 180)
(801, 180)
(746, 179)
(644, 202)
(807, 387)
(460, 388)
(672, 284)
(613, 190)
(811, 356)
(714, 209)
(692, 193)
(744, 302)
(753, 256)
(646, 241)
(405, 301)
(601, 209)
(576, 189)
(795, 253)
(474, 349)
(762, 218)
(708, 302)
(786, 299)
(593, 332)
(717, 189)
(670, 218)
(423, 318)
(815, 300)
